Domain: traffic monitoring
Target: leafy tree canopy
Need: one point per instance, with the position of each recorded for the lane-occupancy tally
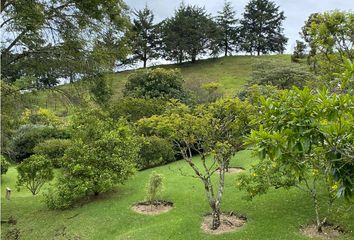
(34, 172)
(50, 40)
(330, 38)
(214, 131)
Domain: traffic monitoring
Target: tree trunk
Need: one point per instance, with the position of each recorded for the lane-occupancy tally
(144, 58)
(193, 58)
(318, 221)
(216, 216)
(180, 56)
(144, 63)
(226, 47)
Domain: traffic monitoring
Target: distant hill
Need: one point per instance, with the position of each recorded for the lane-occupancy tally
(231, 72)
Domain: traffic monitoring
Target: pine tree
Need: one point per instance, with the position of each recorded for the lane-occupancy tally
(299, 51)
(187, 34)
(226, 21)
(261, 28)
(145, 38)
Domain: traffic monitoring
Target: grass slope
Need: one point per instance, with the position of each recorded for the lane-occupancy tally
(231, 72)
(276, 215)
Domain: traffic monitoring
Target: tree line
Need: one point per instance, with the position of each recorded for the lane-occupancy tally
(193, 32)
(48, 41)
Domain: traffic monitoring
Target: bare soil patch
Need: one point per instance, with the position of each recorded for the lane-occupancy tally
(229, 223)
(155, 208)
(235, 170)
(329, 231)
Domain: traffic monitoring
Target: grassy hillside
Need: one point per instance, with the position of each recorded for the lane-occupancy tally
(231, 72)
(277, 215)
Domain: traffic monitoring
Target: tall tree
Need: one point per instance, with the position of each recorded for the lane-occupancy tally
(226, 21)
(187, 34)
(145, 37)
(330, 38)
(261, 28)
(54, 39)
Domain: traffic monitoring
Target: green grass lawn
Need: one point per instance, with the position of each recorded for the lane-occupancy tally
(277, 215)
(231, 72)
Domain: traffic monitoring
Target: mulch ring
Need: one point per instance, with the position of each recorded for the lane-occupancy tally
(154, 208)
(229, 222)
(329, 231)
(235, 170)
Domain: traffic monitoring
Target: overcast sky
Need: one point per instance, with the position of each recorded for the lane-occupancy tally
(296, 11)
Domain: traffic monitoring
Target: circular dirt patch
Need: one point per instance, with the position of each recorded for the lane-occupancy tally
(154, 208)
(229, 223)
(235, 170)
(329, 231)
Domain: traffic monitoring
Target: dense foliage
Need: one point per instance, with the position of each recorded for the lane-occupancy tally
(155, 83)
(261, 28)
(40, 116)
(330, 39)
(28, 136)
(34, 172)
(145, 36)
(304, 136)
(53, 39)
(226, 37)
(10, 115)
(187, 34)
(213, 131)
(53, 149)
(155, 151)
(4, 164)
(134, 109)
(281, 75)
(102, 154)
(305, 139)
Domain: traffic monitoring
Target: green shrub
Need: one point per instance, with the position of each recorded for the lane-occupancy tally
(28, 136)
(155, 151)
(68, 190)
(134, 109)
(4, 164)
(254, 92)
(102, 154)
(34, 172)
(155, 83)
(40, 116)
(203, 91)
(53, 149)
(281, 75)
(154, 187)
